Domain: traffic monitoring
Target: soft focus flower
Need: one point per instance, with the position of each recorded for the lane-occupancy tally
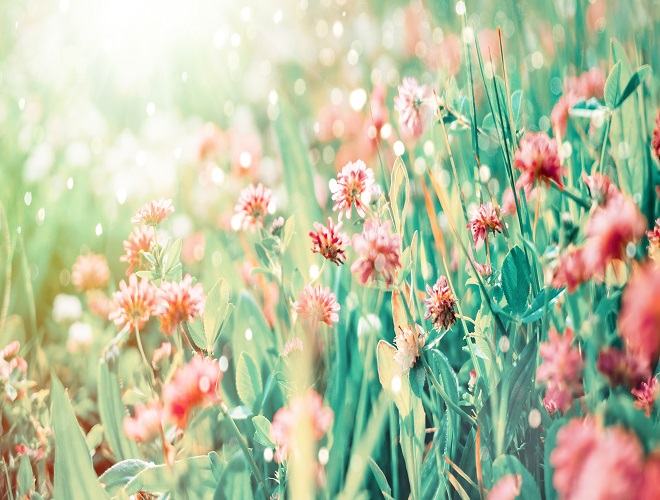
(571, 271)
(655, 141)
(408, 104)
(484, 269)
(609, 230)
(316, 305)
(66, 308)
(654, 240)
(193, 385)
(133, 303)
(589, 84)
(484, 219)
(472, 380)
(538, 161)
(178, 302)
(161, 353)
(506, 488)
(90, 272)
(304, 418)
(292, 345)
(650, 486)
(645, 395)
(329, 241)
(561, 368)
(379, 252)
(591, 462)
(80, 337)
(153, 213)
(139, 241)
(601, 188)
(253, 204)
(440, 304)
(639, 319)
(621, 368)
(99, 303)
(559, 114)
(147, 423)
(408, 340)
(10, 350)
(352, 186)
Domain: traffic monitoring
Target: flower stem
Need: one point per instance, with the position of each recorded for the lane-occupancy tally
(242, 443)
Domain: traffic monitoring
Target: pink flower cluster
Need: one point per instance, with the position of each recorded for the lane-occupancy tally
(193, 385)
(304, 418)
(317, 305)
(352, 187)
(615, 222)
(560, 370)
(90, 272)
(589, 84)
(179, 302)
(538, 161)
(485, 219)
(379, 252)
(440, 304)
(410, 105)
(591, 461)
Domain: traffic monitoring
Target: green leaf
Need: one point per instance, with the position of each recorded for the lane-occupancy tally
(120, 474)
(612, 86)
(163, 478)
(25, 476)
(248, 380)
(515, 279)
(535, 310)
(271, 244)
(287, 232)
(399, 194)
(380, 477)
(262, 427)
(216, 311)
(113, 413)
(262, 256)
(507, 464)
(74, 473)
(635, 81)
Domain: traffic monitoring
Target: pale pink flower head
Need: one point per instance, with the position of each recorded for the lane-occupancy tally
(484, 269)
(254, 203)
(408, 340)
(590, 84)
(559, 114)
(538, 161)
(178, 302)
(193, 385)
(329, 241)
(291, 346)
(379, 252)
(639, 318)
(10, 350)
(561, 368)
(99, 303)
(440, 304)
(485, 219)
(317, 305)
(133, 303)
(592, 462)
(379, 114)
(655, 141)
(571, 270)
(153, 213)
(90, 272)
(601, 188)
(645, 395)
(352, 187)
(304, 418)
(138, 243)
(409, 104)
(654, 240)
(147, 423)
(506, 488)
(609, 230)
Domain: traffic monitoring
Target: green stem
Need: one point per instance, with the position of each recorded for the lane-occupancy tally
(573, 196)
(242, 443)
